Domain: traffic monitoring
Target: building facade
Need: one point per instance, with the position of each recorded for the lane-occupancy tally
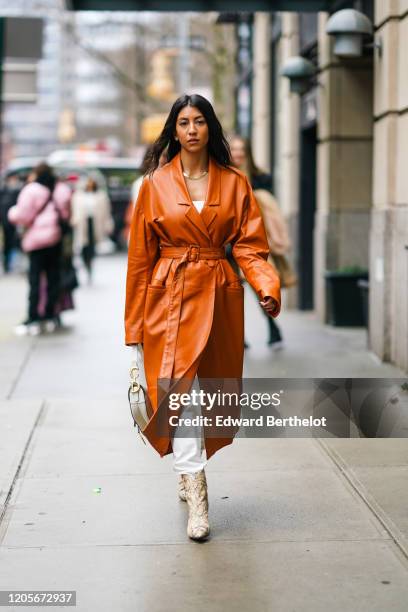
(337, 155)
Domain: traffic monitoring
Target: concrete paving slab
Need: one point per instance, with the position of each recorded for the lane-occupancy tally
(13, 355)
(389, 487)
(4, 489)
(270, 454)
(13, 289)
(290, 576)
(276, 505)
(84, 451)
(75, 368)
(17, 419)
(371, 452)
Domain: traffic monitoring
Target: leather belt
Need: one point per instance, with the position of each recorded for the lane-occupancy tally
(185, 254)
(193, 252)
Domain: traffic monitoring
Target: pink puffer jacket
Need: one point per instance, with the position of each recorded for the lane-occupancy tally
(43, 227)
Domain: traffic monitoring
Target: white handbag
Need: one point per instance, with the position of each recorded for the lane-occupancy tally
(138, 398)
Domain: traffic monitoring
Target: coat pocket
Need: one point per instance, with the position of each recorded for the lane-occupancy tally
(160, 273)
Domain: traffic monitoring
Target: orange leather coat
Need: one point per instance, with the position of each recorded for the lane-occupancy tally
(184, 302)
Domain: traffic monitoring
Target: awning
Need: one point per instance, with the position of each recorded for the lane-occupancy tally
(206, 5)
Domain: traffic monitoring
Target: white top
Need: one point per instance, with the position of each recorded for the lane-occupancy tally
(89, 200)
(198, 204)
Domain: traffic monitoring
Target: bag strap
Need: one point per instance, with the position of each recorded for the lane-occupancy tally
(61, 220)
(42, 207)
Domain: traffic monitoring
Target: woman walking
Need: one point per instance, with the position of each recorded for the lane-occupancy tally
(40, 207)
(92, 221)
(184, 303)
(275, 226)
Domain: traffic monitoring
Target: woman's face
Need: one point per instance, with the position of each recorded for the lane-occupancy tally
(90, 185)
(238, 155)
(192, 129)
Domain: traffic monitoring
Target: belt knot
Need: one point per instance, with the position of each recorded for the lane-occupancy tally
(193, 252)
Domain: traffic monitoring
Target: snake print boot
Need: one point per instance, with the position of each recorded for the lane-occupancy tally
(181, 489)
(197, 500)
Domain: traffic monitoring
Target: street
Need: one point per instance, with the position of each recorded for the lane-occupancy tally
(296, 524)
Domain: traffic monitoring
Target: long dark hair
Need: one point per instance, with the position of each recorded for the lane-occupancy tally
(45, 176)
(218, 146)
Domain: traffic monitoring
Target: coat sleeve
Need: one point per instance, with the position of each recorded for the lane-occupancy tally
(62, 199)
(250, 250)
(143, 253)
(25, 210)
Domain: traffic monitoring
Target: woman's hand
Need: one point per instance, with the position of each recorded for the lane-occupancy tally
(270, 305)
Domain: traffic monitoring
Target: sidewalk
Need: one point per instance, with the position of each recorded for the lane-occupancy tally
(296, 524)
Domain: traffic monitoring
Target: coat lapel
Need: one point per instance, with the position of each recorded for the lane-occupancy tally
(202, 220)
(210, 209)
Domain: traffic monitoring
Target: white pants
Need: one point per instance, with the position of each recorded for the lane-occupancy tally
(189, 454)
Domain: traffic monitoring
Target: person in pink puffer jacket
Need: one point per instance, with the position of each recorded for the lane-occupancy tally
(39, 206)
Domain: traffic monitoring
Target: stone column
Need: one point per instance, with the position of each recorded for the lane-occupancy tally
(261, 118)
(288, 123)
(389, 222)
(344, 184)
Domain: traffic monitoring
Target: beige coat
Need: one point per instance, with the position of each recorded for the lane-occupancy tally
(103, 221)
(275, 224)
(277, 235)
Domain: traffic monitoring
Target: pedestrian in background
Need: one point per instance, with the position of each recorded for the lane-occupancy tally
(92, 221)
(8, 198)
(41, 206)
(275, 224)
(68, 277)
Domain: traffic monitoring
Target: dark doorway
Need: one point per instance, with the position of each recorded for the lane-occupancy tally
(308, 146)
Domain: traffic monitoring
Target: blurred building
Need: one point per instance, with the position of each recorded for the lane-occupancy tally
(105, 104)
(106, 78)
(30, 126)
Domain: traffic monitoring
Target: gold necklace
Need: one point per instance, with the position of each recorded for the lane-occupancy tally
(195, 178)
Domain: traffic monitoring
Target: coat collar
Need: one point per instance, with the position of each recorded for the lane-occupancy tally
(214, 182)
(204, 219)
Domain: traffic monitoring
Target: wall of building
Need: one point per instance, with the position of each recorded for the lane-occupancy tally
(345, 141)
(389, 223)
